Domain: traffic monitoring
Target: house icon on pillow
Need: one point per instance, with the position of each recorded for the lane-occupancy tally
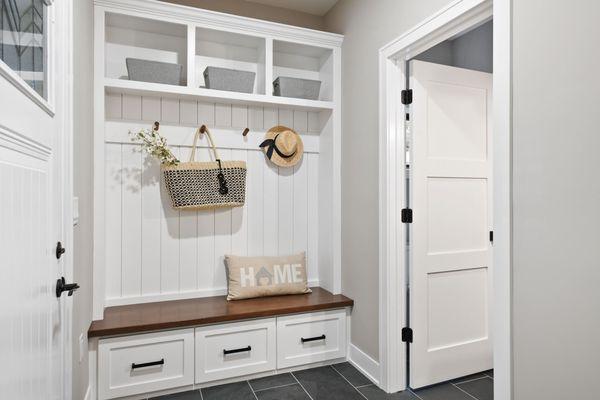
(264, 277)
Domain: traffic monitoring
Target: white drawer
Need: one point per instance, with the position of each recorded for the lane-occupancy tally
(235, 349)
(145, 363)
(308, 338)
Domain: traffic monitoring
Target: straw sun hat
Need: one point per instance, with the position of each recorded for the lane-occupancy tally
(283, 146)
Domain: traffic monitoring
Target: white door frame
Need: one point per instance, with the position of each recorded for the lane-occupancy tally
(457, 17)
(64, 111)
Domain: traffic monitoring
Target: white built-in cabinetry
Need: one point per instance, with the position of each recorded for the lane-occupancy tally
(180, 360)
(144, 250)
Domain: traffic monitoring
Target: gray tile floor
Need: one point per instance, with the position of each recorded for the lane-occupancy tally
(337, 382)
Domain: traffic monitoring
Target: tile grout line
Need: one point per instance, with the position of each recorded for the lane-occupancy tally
(274, 387)
(344, 378)
(471, 380)
(362, 386)
(252, 390)
(464, 391)
(413, 392)
(302, 386)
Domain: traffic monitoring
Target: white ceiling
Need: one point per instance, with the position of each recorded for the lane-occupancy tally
(315, 7)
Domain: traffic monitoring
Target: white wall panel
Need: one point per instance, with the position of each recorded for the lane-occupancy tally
(156, 250)
(151, 225)
(188, 246)
(113, 190)
(131, 219)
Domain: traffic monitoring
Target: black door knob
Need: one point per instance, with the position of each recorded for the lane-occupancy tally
(61, 287)
(60, 250)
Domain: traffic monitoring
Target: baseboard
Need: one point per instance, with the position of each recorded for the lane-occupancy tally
(364, 363)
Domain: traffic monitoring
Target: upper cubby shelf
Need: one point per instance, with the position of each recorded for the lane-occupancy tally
(129, 37)
(183, 92)
(214, 57)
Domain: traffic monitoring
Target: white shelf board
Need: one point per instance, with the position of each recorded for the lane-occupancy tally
(210, 95)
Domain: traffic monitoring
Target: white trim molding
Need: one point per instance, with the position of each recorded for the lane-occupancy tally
(364, 363)
(18, 142)
(18, 82)
(457, 17)
(221, 21)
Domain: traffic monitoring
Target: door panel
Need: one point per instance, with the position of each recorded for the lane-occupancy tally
(32, 318)
(450, 270)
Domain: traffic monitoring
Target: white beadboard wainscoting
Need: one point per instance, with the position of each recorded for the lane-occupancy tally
(156, 253)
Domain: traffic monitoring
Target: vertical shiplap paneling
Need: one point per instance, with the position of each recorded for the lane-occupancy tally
(285, 210)
(222, 115)
(188, 246)
(301, 121)
(7, 345)
(206, 240)
(188, 112)
(151, 109)
(169, 113)
(150, 234)
(270, 193)
(113, 106)
(286, 117)
(255, 118)
(239, 217)
(314, 125)
(222, 236)
(271, 209)
(169, 242)
(300, 221)
(312, 248)
(131, 220)
(132, 107)
(279, 217)
(270, 116)
(239, 116)
(113, 231)
(254, 202)
(206, 114)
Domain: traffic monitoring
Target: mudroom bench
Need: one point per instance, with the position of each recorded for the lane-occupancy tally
(174, 345)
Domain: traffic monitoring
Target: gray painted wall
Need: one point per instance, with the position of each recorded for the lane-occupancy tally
(368, 25)
(472, 50)
(556, 257)
(83, 71)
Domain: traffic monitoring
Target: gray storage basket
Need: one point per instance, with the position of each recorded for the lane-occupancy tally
(231, 80)
(296, 87)
(154, 71)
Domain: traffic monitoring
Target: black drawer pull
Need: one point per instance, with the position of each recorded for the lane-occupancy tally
(312, 339)
(148, 364)
(225, 352)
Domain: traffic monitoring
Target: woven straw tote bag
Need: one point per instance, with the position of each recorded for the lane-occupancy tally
(205, 185)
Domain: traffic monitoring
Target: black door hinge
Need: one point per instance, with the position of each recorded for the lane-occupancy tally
(492, 237)
(407, 215)
(406, 96)
(407, 335)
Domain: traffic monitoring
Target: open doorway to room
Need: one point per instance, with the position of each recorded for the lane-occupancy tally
(445, 215)
(448, 119)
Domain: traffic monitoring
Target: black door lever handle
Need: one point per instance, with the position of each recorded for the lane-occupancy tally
(62, 286)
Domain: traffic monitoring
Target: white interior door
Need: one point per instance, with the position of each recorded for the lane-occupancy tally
(32, 185)
(450, 268)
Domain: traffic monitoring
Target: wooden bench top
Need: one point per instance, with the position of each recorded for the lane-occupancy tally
(137, 318)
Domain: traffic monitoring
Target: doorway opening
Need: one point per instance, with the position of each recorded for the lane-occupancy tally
(444, 187)
(449, 270)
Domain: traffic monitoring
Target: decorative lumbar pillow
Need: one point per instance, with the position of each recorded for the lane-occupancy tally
(250, 277)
